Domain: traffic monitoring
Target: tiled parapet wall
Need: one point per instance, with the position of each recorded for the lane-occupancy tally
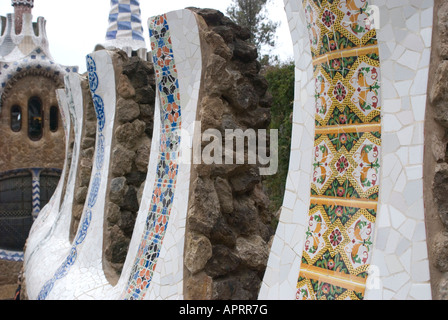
(154, 266)
(166, 178)
(188, 88)
(358, 138)
(53, 224)
(46, 225)
(86, 153)
(47, 276)
(43, 224)
(196, 243)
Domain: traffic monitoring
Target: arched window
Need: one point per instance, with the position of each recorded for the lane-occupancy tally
(16, 118)
(35, 118)
(54, 119)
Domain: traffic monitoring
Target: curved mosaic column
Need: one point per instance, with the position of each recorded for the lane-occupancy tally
(154, 263)
(48, 214)
(157, 269)
(48, 236)
(58, 277)
(357, 116)
(400, 258)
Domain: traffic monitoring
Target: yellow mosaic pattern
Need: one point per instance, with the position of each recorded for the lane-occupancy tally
(346, 166)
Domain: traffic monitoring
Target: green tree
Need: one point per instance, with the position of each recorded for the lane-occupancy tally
(252, 14)
(281, 85)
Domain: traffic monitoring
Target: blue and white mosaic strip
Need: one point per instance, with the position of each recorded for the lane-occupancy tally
(76, 267)
(62, 271)
(125, 20)
(14, 256)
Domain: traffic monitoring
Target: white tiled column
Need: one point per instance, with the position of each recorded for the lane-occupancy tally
(282, 272)
(400, 267)
(400, 259)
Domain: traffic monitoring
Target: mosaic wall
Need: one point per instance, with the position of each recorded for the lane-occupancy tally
(183, 32)
(151, 270)
(43, 223)
(96, 194)
(354, 191)
(345, 180)
(167, 167)
(361, 71)
(157, 269)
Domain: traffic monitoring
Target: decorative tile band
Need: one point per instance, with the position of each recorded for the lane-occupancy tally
(373, 49)
(346, 161)
(348, 129)
(167, 167)
(338, 25)
(334, 278)
(6, 255)
(41, 224)
(356, 203)
(347, 91)
(64, 268)
(36, 192)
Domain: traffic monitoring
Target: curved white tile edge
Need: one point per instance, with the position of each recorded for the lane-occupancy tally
(54, 247)
(167, 282)
(85, 279)
(47, 215)
(71, 108)
(89, 251)
(400, 266)
(280, 280)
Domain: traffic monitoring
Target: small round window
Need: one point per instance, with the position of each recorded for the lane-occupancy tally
(35, 118)
(54, 119)
(16, 118)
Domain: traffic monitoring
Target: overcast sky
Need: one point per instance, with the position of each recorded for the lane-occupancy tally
(74, 27)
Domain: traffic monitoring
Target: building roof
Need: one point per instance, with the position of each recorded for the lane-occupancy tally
(27, 52)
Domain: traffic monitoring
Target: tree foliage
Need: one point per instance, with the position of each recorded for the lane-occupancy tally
(252, 14)
(281, 85)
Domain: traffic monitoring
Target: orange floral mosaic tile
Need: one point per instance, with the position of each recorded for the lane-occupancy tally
(346, 161)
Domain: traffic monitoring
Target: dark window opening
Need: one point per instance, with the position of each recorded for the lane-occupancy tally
(16, 118)
(35, 118)
(54, 119)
